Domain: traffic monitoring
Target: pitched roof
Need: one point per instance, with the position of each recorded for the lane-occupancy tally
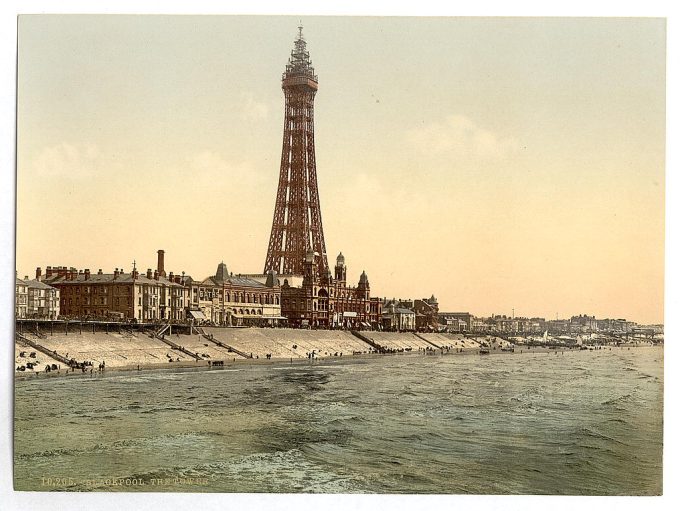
(36, 284)
(108, 278)
(233, 280)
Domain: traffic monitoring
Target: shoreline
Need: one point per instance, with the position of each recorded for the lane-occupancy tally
(204, 365)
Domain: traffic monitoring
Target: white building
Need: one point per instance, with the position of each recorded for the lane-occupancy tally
(43, 300)
(21, 299)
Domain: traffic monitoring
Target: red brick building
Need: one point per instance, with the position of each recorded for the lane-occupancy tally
(327, 301)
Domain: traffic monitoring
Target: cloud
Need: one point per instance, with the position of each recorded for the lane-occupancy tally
(67, 161)
(209, 168)
(458, 136)
(252, 110)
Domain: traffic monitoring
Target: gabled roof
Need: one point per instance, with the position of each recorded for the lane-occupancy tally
(36, 284)
(234, 281)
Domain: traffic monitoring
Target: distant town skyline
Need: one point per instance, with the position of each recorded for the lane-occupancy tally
(497, 163)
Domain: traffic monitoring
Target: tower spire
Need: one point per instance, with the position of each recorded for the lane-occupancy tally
(296, 228)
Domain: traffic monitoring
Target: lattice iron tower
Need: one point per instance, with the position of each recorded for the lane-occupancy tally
(296, 228)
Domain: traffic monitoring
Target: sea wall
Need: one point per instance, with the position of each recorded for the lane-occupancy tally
(129, 349)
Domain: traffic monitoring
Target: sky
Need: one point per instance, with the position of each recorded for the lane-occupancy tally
(497, 163)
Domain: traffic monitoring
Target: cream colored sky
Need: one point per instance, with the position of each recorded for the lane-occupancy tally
(497, 163)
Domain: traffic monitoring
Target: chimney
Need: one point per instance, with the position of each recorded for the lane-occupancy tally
(87, 274)
(135, 273)
(171, 278)
(38, 274)
(160, 266)
(99, 272)
(148, 273)
(115, 274)
(155, 274)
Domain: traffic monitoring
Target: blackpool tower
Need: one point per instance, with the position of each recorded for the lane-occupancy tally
(296, 228)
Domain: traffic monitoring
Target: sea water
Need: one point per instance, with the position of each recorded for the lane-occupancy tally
(580, 423)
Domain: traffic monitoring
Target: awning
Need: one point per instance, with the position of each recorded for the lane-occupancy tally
(273, 317)
(367, 325)
(349, 314)
(197, 314)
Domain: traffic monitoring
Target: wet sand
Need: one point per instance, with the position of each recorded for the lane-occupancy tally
(241, 362)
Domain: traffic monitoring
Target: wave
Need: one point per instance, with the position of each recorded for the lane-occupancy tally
(617, 400)
(167, 409)
(595, 434)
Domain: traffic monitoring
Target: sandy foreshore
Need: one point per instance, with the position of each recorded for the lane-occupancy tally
(214, 347)
(237, 362)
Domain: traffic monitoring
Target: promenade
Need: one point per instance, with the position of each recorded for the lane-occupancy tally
(90, 349)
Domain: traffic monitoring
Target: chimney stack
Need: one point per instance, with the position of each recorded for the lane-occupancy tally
(99, 272)
(87, 274)
(38, 274)
(115, 274)
(155, 274)
(160, 266)
(148, 273)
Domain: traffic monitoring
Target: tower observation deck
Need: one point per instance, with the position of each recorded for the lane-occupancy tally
(296, 228)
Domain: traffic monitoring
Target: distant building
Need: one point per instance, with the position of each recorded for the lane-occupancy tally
(119, 295)
(427, 313)
(397, 318)
(457, 321)
(20, 298)
(583, 323)
(43, 300)
(225, 299)
(324, 301)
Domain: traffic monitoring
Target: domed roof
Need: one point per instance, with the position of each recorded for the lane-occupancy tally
(363, 279)
(341, 258)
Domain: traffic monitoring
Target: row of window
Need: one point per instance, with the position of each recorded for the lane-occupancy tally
(238, 297)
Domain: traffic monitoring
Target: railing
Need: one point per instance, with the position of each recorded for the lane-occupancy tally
(43, 349)
(222, 345)
(176, 346)
(368, 341)
(429, 342)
